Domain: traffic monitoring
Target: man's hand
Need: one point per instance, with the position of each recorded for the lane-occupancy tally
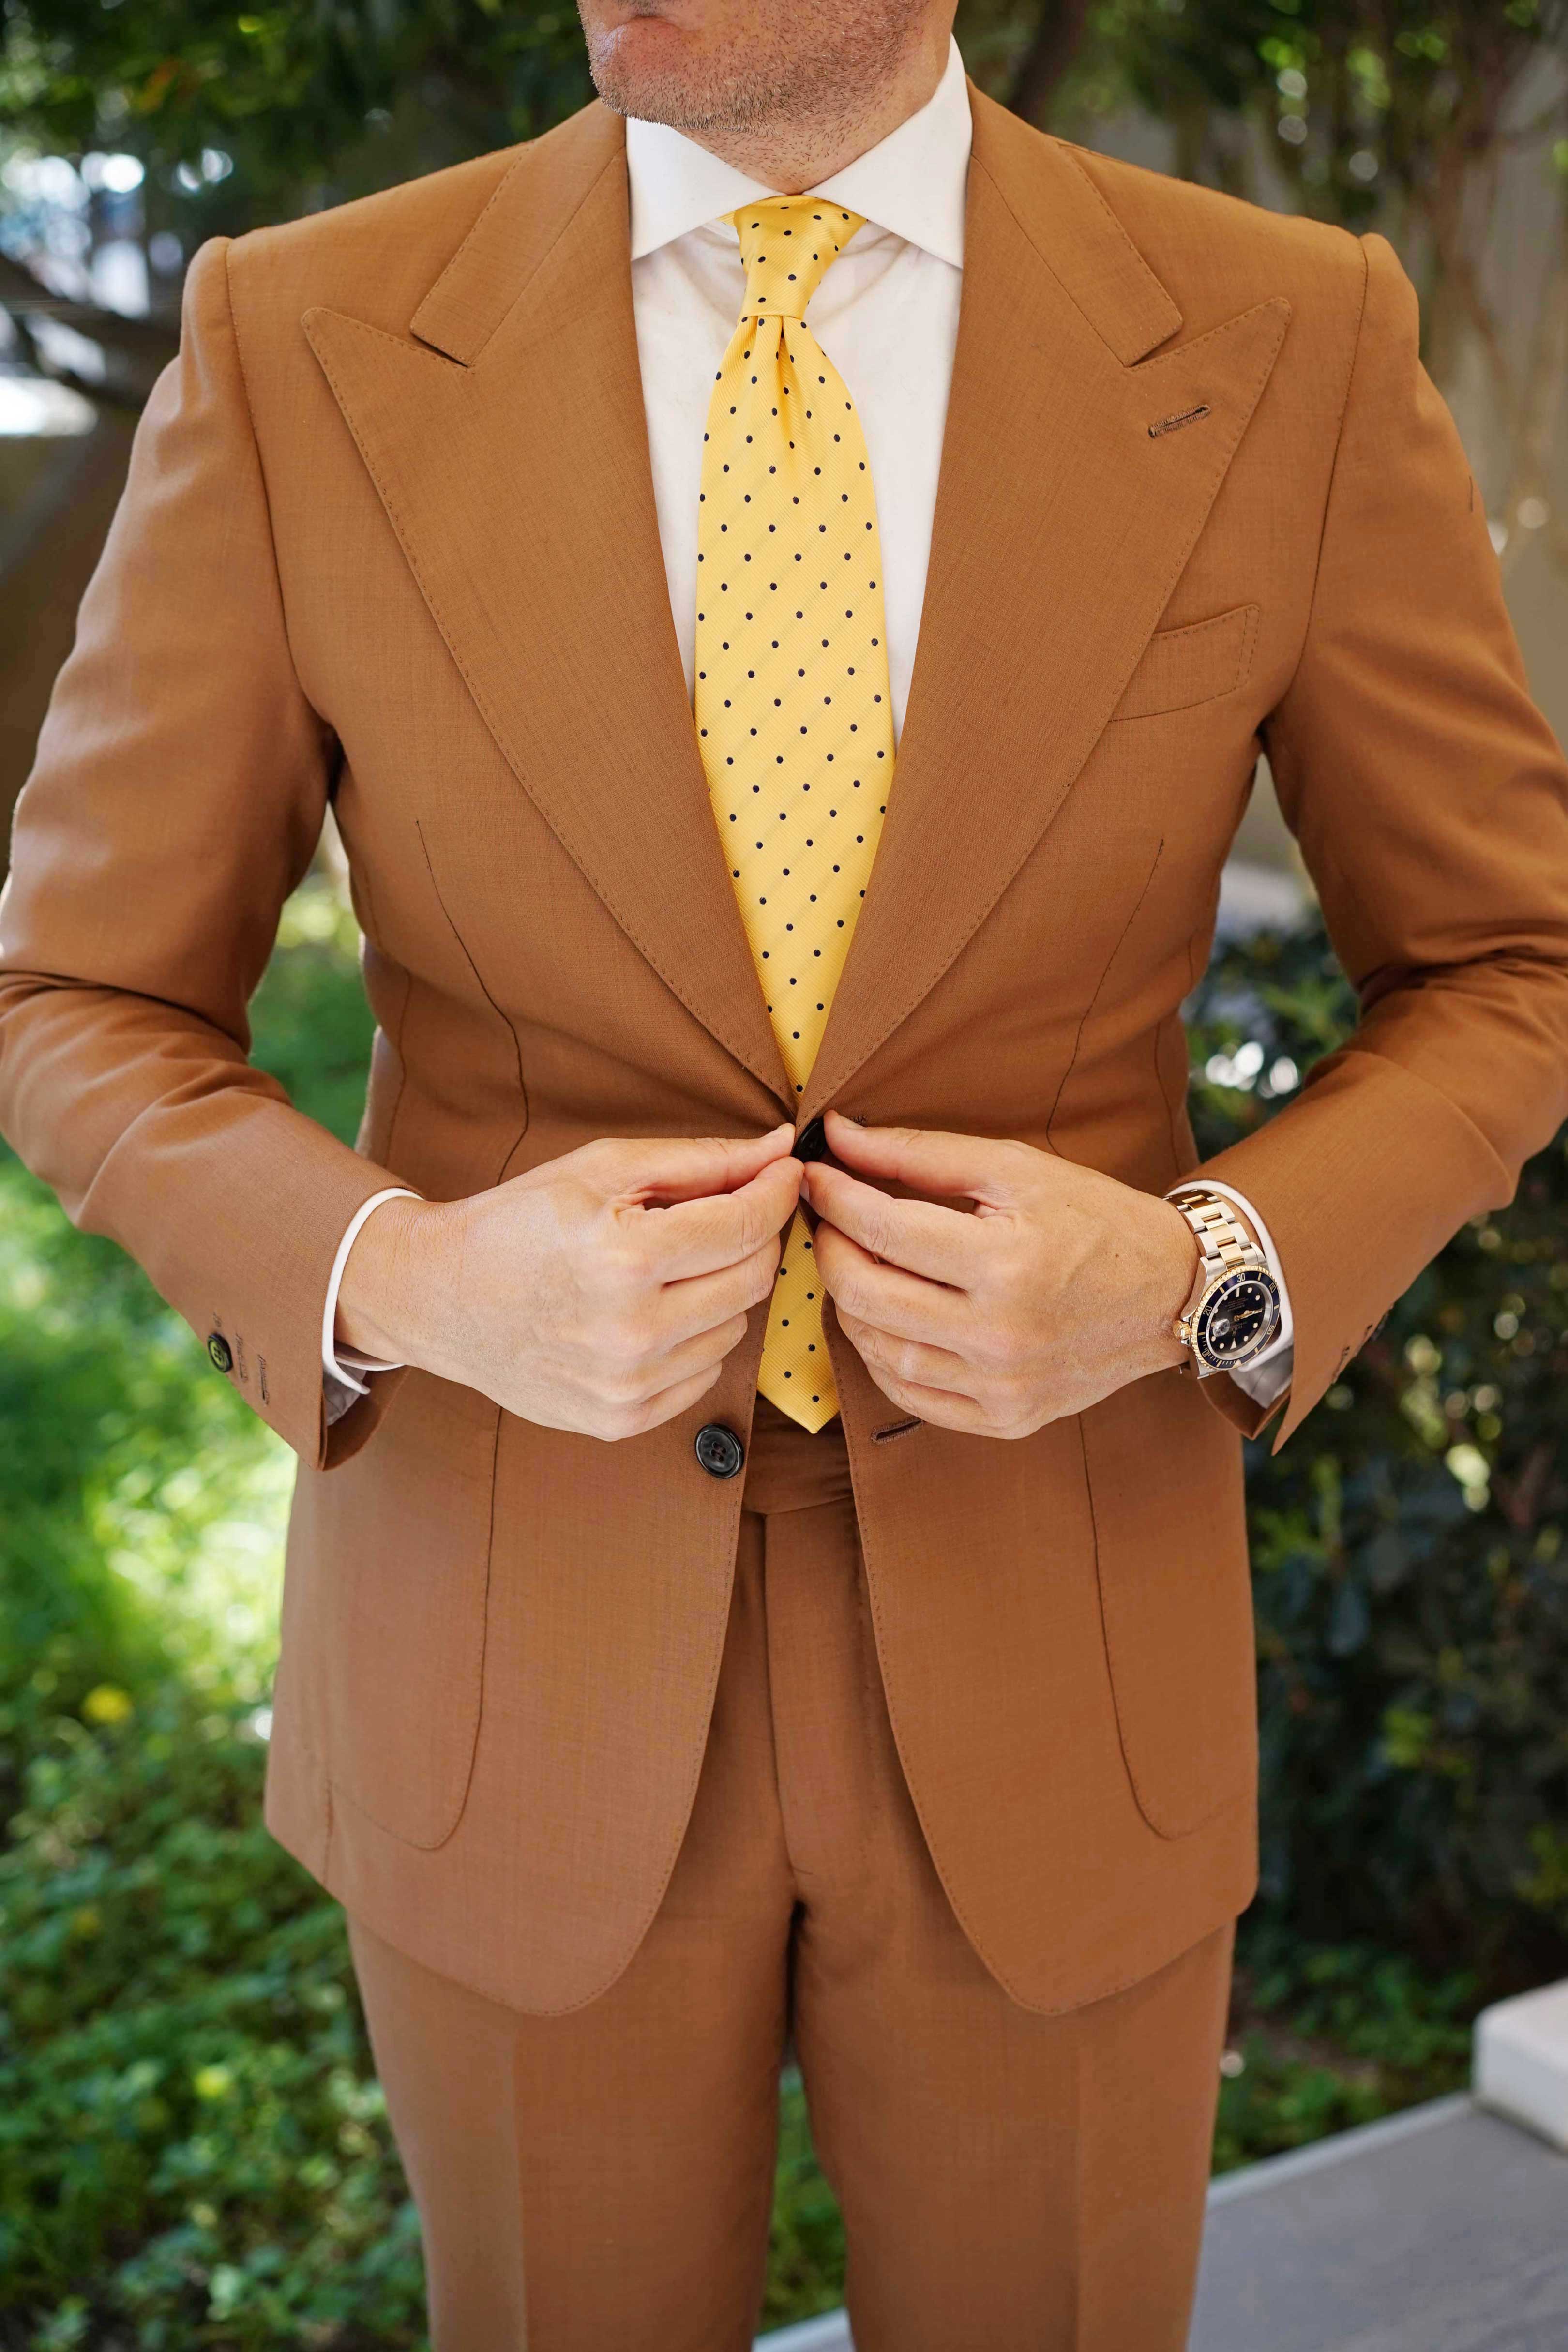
(1060, 1285)
(601, 1292)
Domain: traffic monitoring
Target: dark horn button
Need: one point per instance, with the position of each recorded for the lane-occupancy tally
(719, 1450)
(811, 1143)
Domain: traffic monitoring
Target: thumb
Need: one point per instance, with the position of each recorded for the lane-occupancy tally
(926, 1158)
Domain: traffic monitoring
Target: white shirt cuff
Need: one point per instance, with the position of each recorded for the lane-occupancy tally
(1267, 1380)
(343, 1366)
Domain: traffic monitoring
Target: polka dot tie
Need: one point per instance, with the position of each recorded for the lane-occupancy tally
(792, 705)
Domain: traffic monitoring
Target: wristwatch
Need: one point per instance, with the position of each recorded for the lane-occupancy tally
(1232, 1312)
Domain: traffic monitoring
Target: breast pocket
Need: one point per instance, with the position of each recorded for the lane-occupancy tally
(1197, 664)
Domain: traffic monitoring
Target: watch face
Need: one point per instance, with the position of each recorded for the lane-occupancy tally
(1238, 1319)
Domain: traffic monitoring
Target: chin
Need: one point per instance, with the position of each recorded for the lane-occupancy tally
(653, 69)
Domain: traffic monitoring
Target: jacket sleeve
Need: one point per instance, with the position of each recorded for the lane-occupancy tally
(1430, 800)
(178, 794)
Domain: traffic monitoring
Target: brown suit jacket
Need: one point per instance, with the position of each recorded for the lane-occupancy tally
(390, 538)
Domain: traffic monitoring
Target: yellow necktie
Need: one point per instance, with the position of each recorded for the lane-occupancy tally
(792, 705)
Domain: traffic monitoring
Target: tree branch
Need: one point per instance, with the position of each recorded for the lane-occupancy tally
(1052, 47)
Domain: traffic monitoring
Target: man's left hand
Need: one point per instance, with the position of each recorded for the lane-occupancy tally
(1059, 1287)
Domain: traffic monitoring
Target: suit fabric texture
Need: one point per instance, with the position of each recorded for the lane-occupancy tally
(389, 540)
(604, 2179)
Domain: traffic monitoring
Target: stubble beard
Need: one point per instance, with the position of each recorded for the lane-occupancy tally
(817, 68)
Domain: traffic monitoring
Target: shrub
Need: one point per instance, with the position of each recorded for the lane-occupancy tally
(1410, 1572)
(193, 2144)
(132, 1486)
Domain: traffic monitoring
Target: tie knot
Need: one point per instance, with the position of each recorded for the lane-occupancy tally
(787, 244)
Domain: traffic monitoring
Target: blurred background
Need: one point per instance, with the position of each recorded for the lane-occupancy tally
(192, 2147)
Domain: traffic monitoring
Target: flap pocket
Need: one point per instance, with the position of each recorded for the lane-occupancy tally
(399, 1539)
(1164, 1478)
(1197, 664)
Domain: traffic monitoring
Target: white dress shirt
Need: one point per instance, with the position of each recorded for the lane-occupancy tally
(887, 315)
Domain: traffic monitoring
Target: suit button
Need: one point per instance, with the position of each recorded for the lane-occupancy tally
(719, 1450)
(220, 1351)
(811, 1143)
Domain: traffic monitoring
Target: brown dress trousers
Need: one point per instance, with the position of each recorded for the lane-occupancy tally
(601, 2180)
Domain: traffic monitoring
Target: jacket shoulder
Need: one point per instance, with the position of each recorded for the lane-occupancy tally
(378, 255)
(373, 256)
(1217, 254)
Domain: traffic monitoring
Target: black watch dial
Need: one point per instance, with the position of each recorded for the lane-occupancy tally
(1238, 1319)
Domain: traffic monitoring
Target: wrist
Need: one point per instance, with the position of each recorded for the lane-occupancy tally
(1237, 1303)
(1173, 1271)
(387, 1278)
(1194, 1188)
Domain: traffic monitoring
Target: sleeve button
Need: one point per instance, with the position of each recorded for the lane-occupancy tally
(220, 1351)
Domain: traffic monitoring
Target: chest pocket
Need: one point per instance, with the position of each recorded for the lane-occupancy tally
(1197, 664)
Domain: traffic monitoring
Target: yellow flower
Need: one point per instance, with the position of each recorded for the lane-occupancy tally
(107, 1704)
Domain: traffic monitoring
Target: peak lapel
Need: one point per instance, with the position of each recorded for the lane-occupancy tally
(1061, 527)
(509, 450)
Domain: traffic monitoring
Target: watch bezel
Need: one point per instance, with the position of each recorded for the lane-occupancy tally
(1232, 1277)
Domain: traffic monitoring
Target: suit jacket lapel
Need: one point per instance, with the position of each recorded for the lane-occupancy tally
(508, 446)
(1062, 525)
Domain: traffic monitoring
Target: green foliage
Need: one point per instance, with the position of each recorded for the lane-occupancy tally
(1411, 1581)
(1327, 2037)
(805, 2242)
(310, 1026)
(1367, 111)
(294, 107)
(192, 2146)
(1360, 97)
(128, 1481)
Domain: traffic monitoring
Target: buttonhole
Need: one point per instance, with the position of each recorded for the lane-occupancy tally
(1174, 423)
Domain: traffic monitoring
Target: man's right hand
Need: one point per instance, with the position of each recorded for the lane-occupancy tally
(601, 1292)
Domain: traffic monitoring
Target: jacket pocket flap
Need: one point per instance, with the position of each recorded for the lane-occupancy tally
(1183, 667)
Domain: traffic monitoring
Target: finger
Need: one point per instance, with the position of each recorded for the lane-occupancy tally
(699, 1236)
(908, 1360)
(705, 1351)
(685, 1166)
(670, 1402)
(699, 1302)
(920, 1235)
(904, 1305)
(940, 1406)
(930, 1161)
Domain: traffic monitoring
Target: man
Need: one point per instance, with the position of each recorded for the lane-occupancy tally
(568, 521)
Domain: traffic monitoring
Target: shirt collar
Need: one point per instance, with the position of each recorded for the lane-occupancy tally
(912, 183)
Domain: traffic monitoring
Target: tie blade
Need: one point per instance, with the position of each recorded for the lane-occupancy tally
(796, 1373)
(792, 700)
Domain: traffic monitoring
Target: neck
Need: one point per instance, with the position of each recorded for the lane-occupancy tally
(793, 155)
